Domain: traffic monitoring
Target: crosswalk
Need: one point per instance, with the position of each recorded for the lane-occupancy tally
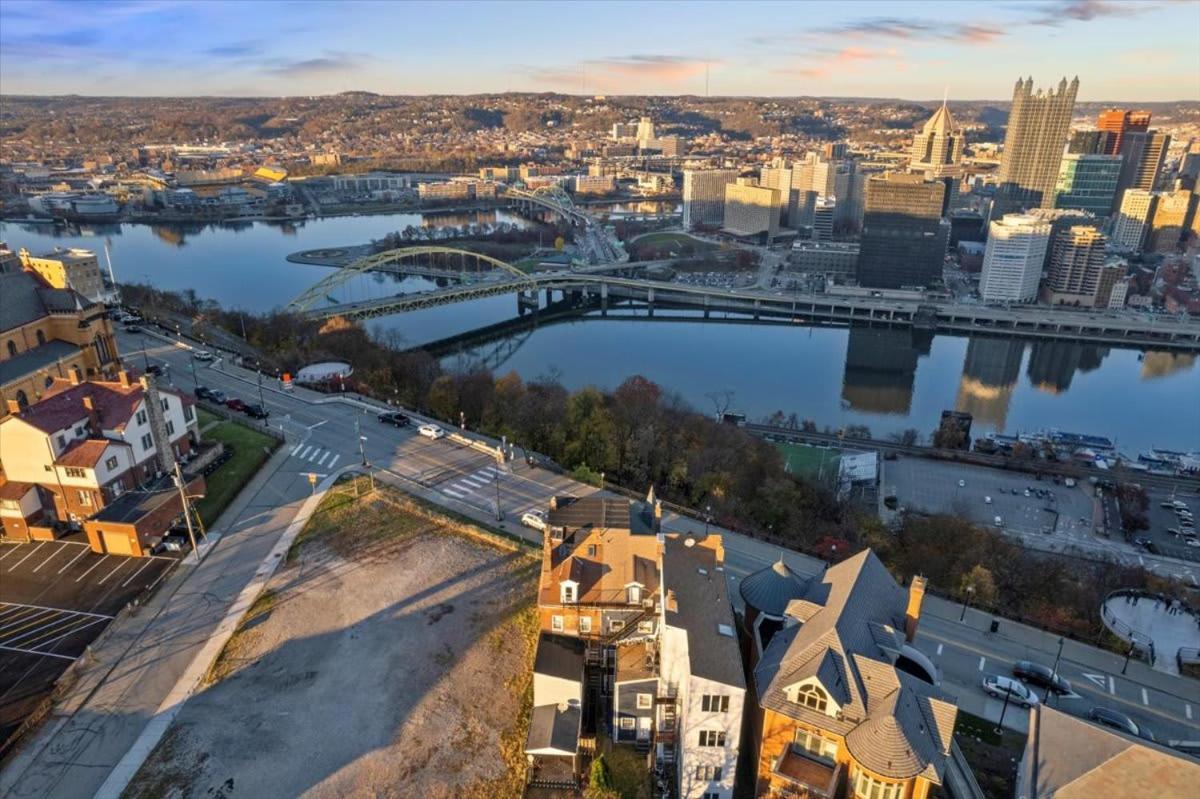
(469, 484)
(318, 456)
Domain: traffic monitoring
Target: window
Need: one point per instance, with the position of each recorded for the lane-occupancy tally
(616, 625)
(635, 594)
(164, 403)
(714, 703)
(85, 498)
(22, 399)
(645, 701)
(188, 413)
(712, 795)
(41, 338)
(645, 627)
(867, 787)
(812, 696)
(170, 428)
(111, 463)
(556, 623)
(712, 737)
(591, 550)
(141, 417)
(585, 624)
(61, 441)
(75, 471)
(627, 722)
(708, 773)
(12, 349)
(147, 441)
(568, 593)
(816, 745)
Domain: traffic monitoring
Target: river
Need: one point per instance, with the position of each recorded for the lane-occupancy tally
(886, 379)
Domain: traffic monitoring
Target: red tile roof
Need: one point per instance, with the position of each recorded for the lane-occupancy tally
(62, 404)
(14, 490)
(85, 452)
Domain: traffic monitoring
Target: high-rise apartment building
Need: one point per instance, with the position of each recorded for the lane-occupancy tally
(1118, 123)
(1088, 182)
(1143, 153)
(903, 237)
(73, 268)
(1173, 216)
(1134, 219)
(1075, 264)
(704, 196)
(751, 210)
(779, 177)
(1012, 262)
(1038, 125)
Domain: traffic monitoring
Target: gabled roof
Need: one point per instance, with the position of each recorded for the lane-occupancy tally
(62, 404)
(844, 631)
(36, 359)
(603, 561)
(941, 122)
(27, 297)
(85, 452)
(700, 605)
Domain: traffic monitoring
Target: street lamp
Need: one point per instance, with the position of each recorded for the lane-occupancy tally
(970, 593)
(145, 355)
(192, 363)
(1128, 655)
(1003, 711)
(1054, 671)
(707, 518)
(258, 370)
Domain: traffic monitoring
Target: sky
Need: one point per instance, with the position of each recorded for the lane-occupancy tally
(1135, 50)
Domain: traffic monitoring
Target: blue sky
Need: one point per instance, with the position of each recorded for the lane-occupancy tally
(1121, 49)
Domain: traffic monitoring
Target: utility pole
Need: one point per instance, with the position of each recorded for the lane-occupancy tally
(145, 355)
(192, 363)
(187, 508)
(966, 604)
(258, 369)
(499, 515)
(361, 439)
(1003, 710)
(1054, 671)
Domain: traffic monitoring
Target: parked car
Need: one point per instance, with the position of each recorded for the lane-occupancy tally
(1000, 686)
(535, 519)
(154, 369)
(256, 411)
(431, 431)
(235, 404)
(203, 393)
(395, 418)
(132, 329)
(217, 395)
(1191, 542)
(202, 355)
(1115, 720)
(1141, 541)
(1036, 674)
(962, 483)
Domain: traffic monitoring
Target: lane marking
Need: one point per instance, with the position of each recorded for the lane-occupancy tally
(11, 549)
(305, 452)
(89, 571)
(136, 573)
(335, 460)
(313, 457)
(1145, 698)
(1096, 678)
(324, 458)
(940, 646)
(318, 424)
(470, 489)
(1187, 709)
(1112, 685)
(72, 631)
(454, 494)
(47, 560)
(982, 660)
(35, 652)
(114, 571)
(26, 618)
(72, 561)
(296, 448)
(57, 610)
(27, 557)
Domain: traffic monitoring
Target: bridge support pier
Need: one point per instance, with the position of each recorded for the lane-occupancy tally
(604, 298)
(707, 303)
(527, 301)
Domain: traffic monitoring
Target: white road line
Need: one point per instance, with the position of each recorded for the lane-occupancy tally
(1145, 698)
(324, 458)
(305, 452)
(11, 549)
(94, 565)
(159, 578)
(487, 470)
(72, 631)
(77, 557)
(454, 494)
(35, 652)
(335, 460)
(313, 456)
(982, 660)
(1112, 685)
(470, 489)
(22, 560)
(26, 618)
(296, 448)
(1187, 709)
(47, 560)
(136, 573)
(475, 481)
(116, 569)
(940, 648)
(57, 610)
(53, 626)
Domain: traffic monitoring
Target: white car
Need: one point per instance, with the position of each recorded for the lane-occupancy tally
(202, 355)
(1191, 542)
(998, 686)
(535, 519)
(431, 431)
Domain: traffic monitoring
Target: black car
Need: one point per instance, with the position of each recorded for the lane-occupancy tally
(154, 369)
(203, 393)
(1120, 722)
(256, 411)
(132, 329)
(395, 419)
(1037, 674)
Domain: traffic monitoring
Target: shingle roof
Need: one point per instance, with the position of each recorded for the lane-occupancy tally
(701, 603)
(32, 360)
(770, 589)
(553, 729)
(845, 634)
(85, 452)
(62, 404)
(27, 298)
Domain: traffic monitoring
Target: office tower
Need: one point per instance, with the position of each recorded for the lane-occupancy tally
(1118, 123)
(991, 369)
(903, 238)
(624, 130)
(937, 149)
(843, 193)
(1062, 220)
(1134, 219)
(1075, 264)
(1143, 153)
(1173, 215)
(751, 210)
(1038, 125)
(1012, 262)
(835, 150)
(645, 130)
(1088, 182)
(1092, 142)
(779, 177)
(823, 216)
(704, 196)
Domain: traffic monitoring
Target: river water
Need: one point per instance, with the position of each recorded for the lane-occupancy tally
(886, 379)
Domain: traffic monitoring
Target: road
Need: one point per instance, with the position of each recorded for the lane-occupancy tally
(77, 751)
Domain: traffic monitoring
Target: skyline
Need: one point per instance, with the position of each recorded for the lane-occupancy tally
(868, 49)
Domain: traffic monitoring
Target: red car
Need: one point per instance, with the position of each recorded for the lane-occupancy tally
(235, 404)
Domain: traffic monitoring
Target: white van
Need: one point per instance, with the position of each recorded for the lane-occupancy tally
(998, 522)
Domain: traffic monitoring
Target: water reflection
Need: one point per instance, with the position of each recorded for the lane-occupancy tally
(1054, 364)
(991, 369)
(1163, 364)
(881, 364)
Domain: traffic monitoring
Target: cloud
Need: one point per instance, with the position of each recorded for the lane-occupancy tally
(823, 63)
(615, 73)
(234, 49)
(329, 64)
(1057, 14)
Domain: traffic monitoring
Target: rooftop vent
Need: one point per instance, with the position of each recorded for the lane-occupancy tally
(725, 629)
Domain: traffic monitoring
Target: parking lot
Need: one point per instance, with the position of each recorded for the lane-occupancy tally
(981, 495)
(55, 598)
(1163, 519)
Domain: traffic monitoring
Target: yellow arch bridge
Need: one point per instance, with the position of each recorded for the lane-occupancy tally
(455, 263)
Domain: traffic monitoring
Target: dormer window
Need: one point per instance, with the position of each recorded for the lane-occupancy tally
(568, 592)
(812, 695)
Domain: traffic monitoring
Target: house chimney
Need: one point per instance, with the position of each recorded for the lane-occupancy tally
(658, 511)
(158, 421)
(93, 415)
(916, 596)
(73, 376)
(123, 377)
(12, 405)
(553, 503)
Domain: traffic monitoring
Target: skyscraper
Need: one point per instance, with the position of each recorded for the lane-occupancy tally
(1012, 262)
(704, 196)
(1075, 264)
(1092, 142)
(1134, 219)
(1172, 217)
(1119, 122)
(1088, 182)
(1038, 125)
(1143, 153)
(751, 210)
(903, 238)
(778, 176)
(937, 149)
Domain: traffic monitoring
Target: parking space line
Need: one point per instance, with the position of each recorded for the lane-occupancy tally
(14, 547)
(35, 652)
(158, 579)
(43, 642)
(117, 568)
(77, 557)
(27, 557)
(94, 565)
(47, 560)
(25, 619)
(57, 610)
(1112, 685)
(136, 573)
(1145, 698)
(53, 625)
(982, 660)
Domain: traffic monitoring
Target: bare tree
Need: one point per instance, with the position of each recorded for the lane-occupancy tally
(721, 401)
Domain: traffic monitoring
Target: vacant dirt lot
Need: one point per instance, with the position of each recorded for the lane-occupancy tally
(389, 657)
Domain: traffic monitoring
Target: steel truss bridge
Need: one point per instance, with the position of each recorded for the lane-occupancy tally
(598, 289)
